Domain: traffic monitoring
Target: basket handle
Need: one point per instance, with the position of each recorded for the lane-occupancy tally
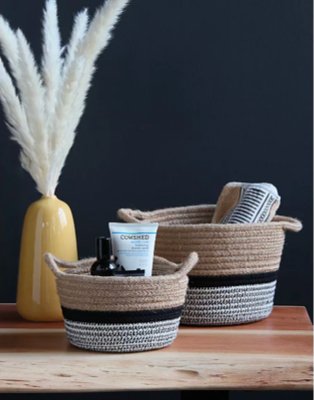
(188, 264)
(288, 223)
(128, 215)
(52, 263)
(56, 265)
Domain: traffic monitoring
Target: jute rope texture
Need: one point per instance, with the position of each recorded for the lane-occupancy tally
(223, 249)
(81, 291)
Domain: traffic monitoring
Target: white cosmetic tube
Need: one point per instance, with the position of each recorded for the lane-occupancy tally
(134, 245)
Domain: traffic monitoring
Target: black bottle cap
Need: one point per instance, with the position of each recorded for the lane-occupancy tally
(103, 248)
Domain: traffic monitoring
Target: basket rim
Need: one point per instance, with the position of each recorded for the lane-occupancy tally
(279, 221)
(54, 263)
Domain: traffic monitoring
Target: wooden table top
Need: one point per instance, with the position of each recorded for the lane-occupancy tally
(275, 353)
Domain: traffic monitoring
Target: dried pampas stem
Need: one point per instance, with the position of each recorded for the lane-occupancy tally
(9, 46)
(44, 111)
(51, 60)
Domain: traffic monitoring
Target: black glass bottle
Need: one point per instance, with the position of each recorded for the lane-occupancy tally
(104, 265)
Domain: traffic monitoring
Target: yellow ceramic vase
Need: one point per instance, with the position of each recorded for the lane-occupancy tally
(48, 227)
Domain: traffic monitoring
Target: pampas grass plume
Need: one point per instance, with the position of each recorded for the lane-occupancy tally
(43, 105)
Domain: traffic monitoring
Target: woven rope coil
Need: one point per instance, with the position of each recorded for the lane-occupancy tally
(225, 250)
(121, 313)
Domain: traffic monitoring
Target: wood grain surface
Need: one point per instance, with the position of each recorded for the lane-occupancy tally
(275, 353)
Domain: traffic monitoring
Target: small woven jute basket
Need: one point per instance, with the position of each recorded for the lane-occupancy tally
(121, 314)
(235, 279)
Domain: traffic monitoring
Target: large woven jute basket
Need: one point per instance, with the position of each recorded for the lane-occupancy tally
(121, 314)
(235, 279)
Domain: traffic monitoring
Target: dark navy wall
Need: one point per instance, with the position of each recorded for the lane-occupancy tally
(189, 95)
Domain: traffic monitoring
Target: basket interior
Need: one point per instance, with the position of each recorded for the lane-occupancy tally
(182, 215)
(160, 267)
